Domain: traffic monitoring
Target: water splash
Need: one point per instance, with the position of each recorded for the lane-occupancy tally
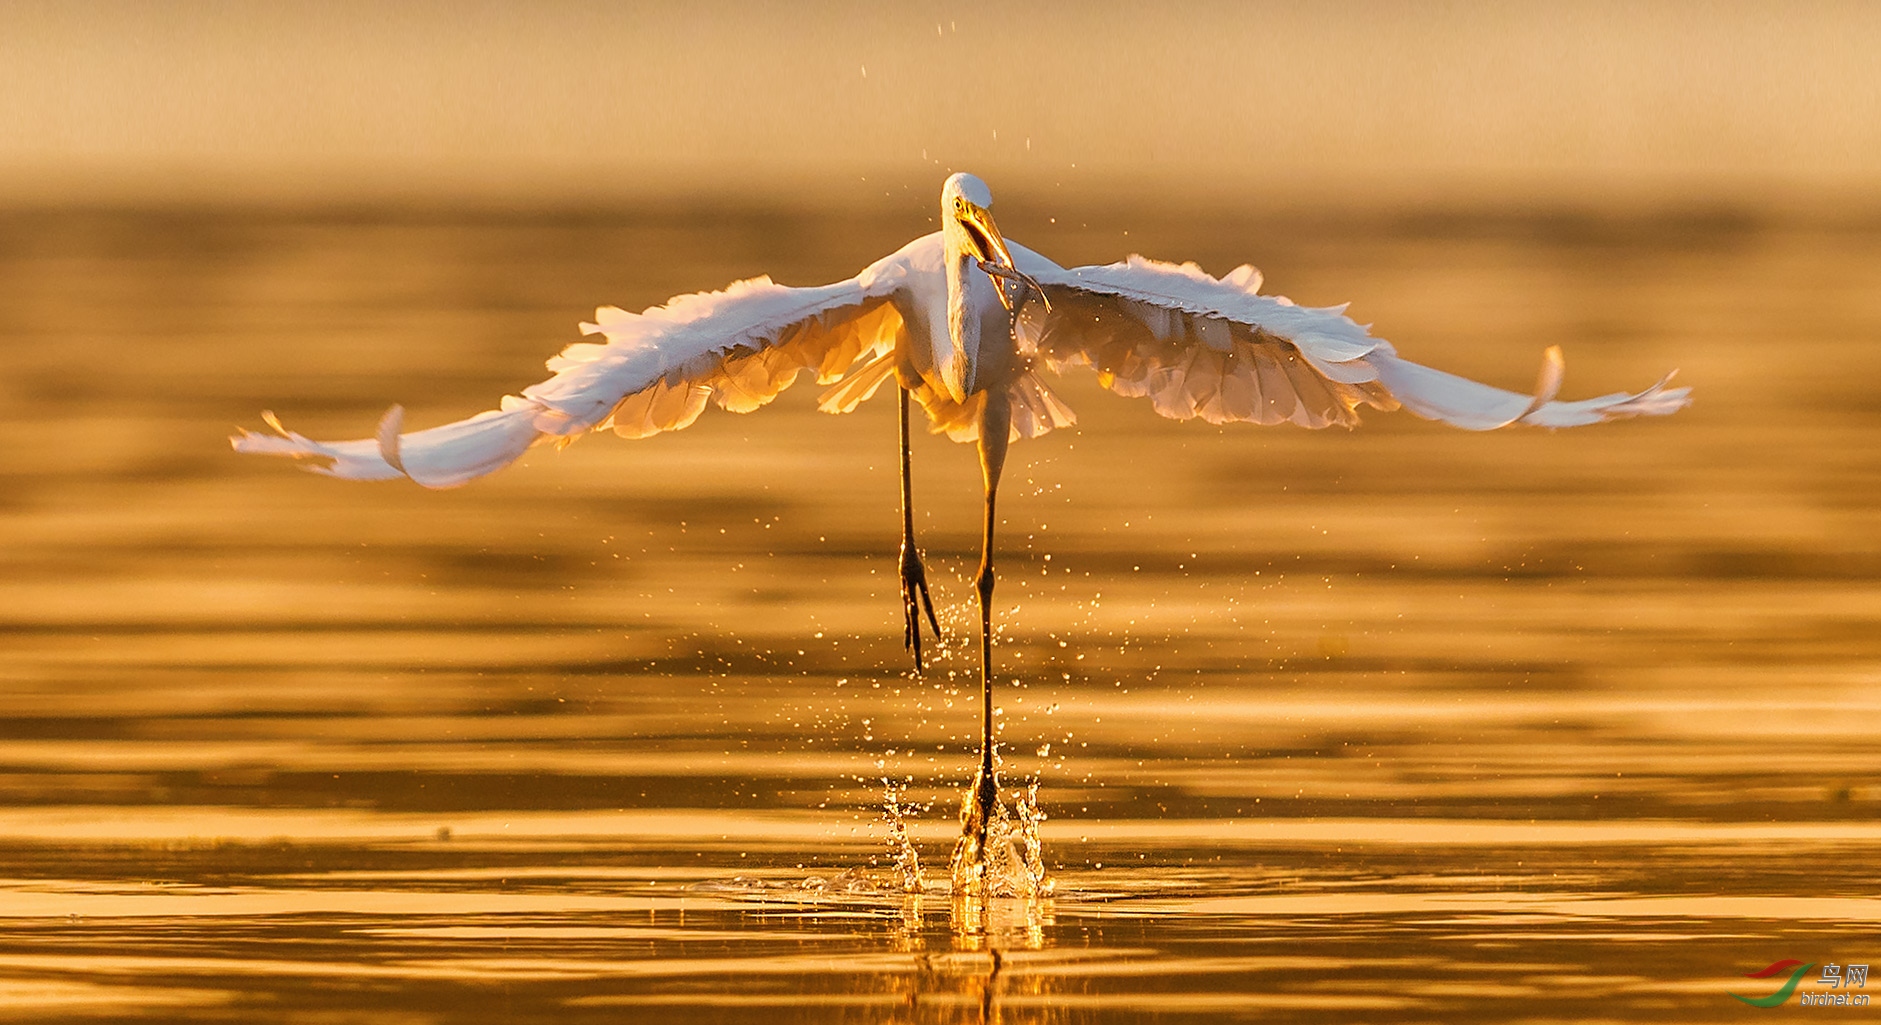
(1031, 817)
(901, 851)
(1012, 862)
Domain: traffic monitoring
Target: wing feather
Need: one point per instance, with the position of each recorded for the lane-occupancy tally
(657, 371)
(1036, 409)
(1196, 345)
(1276, 387)
(856, 389)
(1238, 394)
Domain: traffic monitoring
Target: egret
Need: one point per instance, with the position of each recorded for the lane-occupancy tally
(963, 321)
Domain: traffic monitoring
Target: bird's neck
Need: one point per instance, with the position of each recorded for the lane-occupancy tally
(978, 324)
(960, 272)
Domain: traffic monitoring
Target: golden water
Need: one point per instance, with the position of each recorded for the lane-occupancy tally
(1399, 724)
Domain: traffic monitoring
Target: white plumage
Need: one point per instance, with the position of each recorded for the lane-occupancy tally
(1195, 345)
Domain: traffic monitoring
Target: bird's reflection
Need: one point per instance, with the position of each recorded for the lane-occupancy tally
(972, 978)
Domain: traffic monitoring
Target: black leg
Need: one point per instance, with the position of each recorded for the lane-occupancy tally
(976, 813)
(986, 790)
(914, 594)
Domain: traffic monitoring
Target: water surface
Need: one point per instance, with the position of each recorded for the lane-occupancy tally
(1397, 724)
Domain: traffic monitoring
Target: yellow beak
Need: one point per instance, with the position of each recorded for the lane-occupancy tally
(985, 235)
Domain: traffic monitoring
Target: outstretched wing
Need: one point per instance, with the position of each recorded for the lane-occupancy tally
(1196, 345)
(657, 370)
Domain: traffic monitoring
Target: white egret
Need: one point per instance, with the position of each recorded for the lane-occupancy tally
(963, 321)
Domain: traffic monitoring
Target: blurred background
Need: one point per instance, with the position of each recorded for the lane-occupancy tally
(211, 209)
(1294, 659)
(848, 103)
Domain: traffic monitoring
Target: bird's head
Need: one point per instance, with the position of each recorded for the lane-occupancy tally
(967, 220)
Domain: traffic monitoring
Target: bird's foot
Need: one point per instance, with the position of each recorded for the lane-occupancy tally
(915, 600)
(968, 865)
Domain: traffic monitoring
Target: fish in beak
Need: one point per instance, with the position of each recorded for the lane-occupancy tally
(990, 248)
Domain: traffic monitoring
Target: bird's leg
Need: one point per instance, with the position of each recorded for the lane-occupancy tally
(976, 812)
(914, 593)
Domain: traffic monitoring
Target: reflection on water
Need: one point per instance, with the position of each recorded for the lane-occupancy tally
(1395, 724)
